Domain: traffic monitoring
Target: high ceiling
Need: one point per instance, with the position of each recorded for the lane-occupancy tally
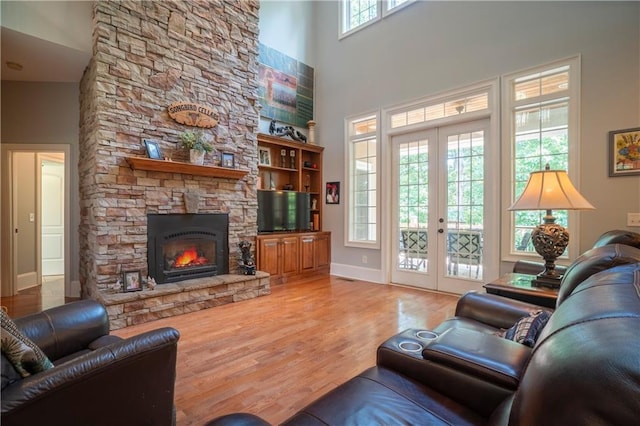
(51, 41)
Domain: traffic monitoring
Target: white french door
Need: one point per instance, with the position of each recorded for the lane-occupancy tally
(438, 207)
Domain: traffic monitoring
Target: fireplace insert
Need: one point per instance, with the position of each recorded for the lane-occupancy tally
(186, 246)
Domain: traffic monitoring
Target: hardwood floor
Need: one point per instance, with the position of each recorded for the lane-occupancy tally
(275, 354)
(38, 298)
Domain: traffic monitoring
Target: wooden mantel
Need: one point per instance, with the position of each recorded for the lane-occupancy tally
(141, 163)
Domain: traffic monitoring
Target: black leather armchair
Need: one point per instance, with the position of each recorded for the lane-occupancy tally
(97, 379)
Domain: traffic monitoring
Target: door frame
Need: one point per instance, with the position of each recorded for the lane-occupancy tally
(492, 173)
(7, 237)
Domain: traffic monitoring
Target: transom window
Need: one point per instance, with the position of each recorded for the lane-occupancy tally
(427, 112)
(357, 14)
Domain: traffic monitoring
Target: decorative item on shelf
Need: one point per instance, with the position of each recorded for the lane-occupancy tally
(307, 183)
(314, 204)
(287, 187)
(227, 160)
(264, 156)
(132, 280)
(292, 154)
(283, 158)
(308, 164)
(153, 149)
(272, 183)
(550, 190)
(286, 131)
(195, 142)
(312, 132)
(248, 262)
(151, 283)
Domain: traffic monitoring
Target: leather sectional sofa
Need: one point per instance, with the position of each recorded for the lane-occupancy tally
(583, 369)
(97, 378)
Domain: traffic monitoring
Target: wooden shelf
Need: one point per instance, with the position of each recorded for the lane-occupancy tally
(141, 163)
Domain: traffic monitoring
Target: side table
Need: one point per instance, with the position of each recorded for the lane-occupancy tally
(519, 287)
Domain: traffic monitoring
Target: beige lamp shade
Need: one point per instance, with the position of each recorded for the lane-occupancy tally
(550, 190)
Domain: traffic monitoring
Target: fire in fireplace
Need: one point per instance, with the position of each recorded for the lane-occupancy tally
(185, 246)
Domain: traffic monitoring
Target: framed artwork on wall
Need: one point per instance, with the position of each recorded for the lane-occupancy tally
(333, 192)
(624, 152)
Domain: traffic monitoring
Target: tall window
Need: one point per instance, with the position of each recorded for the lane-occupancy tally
(362, 202)
(541, 106)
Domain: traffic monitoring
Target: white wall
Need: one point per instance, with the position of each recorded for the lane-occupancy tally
(45, 113)
(430, 47)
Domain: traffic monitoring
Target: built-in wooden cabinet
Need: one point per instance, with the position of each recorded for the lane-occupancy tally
(315, 252)
(285, 164)
(292, 254)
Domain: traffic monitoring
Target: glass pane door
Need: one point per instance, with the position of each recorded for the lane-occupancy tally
(411, 213)
(437, 211)
(462, 201)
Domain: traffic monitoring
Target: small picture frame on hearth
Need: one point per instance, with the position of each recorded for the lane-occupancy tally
(153, 149)
(131, 280)
(228, 160)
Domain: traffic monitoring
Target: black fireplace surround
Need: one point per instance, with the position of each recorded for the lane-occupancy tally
(186, 246)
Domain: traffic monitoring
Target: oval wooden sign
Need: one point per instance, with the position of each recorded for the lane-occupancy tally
(193, 114)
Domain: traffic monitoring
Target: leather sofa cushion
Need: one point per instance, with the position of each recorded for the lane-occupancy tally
(479, 354)
(593, 261)
(9, 373)
(618, 236)
(584, 368)
(382, 397)
(96, 344)
(26, 357)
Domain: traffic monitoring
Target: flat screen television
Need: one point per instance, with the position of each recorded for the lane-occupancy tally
(283, 211)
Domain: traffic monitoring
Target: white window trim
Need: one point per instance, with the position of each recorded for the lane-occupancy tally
(341, 29)
(382, 13)
(347, 184)
(572, 251)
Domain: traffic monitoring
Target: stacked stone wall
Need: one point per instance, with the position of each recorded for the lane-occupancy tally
(148, 55)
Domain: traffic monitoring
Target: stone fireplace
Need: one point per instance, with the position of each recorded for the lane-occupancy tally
(148, 55)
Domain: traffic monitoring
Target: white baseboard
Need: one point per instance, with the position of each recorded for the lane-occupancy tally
(73, 290)
(358, 273)
(28, 280)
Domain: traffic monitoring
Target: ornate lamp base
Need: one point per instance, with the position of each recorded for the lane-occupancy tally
(550, 240)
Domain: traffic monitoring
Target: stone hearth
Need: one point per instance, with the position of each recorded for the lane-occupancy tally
(167, 300)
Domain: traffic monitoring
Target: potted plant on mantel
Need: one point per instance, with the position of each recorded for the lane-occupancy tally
(196, 144)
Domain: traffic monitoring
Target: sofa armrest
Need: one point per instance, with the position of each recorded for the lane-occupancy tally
(482, 355)
(67, 328)
(494, 310)
(128, 382)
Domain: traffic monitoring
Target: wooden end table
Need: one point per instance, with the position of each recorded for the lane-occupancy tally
(519, 287)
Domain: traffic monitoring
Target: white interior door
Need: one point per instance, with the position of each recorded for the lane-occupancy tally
(52, 208)
(438, 224)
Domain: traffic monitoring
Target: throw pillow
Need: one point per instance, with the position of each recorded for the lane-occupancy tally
(527, 329)
(26, 357)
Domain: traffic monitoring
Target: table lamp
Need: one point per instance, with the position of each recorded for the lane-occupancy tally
(550, 190)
